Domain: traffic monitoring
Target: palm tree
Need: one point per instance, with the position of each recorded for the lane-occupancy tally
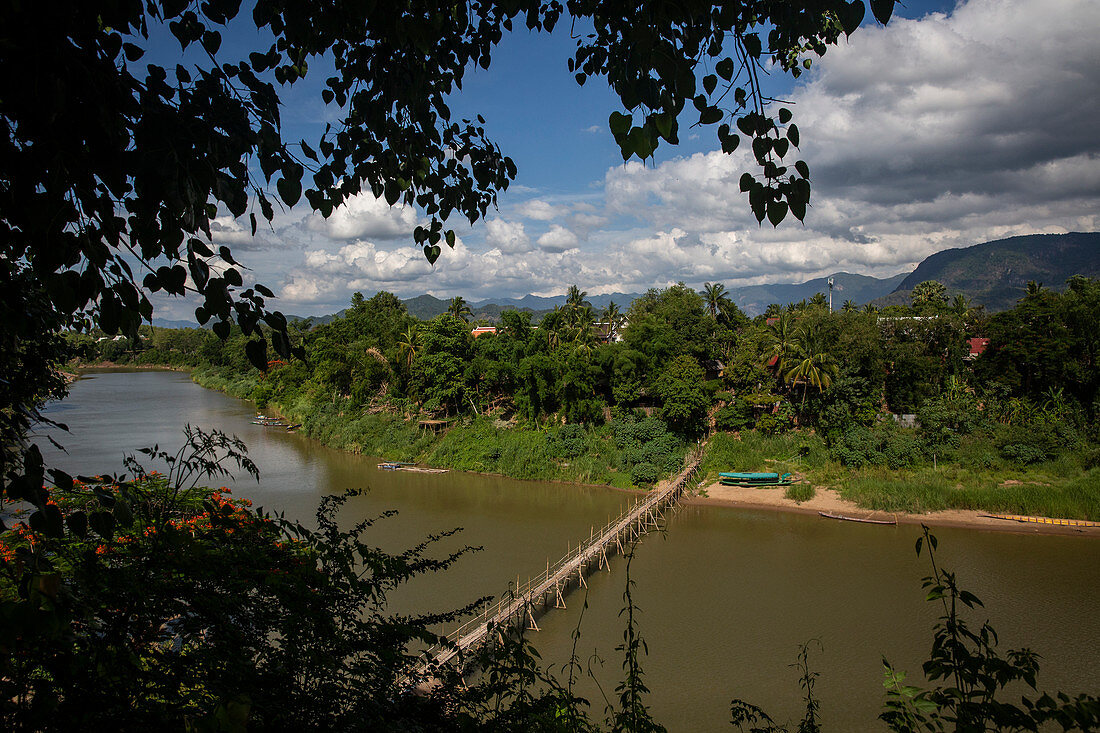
(584, 332)
(820, 300)
(929, 295)
(849, 306)
(780, 341)
(408, 344)
(459, 308)
(960, 306)
(814, 365)
(613, 318)
(714, 296)
(575, 297)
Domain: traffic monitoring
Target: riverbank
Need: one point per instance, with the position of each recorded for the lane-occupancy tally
(830, 501)
(948, 493)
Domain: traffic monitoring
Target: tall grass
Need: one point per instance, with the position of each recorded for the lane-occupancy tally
(752, 452)
(928, 491)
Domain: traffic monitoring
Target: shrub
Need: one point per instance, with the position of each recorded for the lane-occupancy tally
(644, 474)
(1041, 440)
(882, 445)
(734, 416)
(943, 420)
(568, 441)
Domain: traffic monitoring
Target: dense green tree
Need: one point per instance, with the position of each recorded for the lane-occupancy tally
(1048, 341)
(684, 402)
(439, 369)
(664, 324)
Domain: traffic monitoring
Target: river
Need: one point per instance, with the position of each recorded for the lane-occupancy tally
(726, 595)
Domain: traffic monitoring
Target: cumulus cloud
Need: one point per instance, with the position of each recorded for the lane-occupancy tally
(364, 216)
(540, 210)
(938, 132)
(506, 236)
(558, 239)
(237, 234)
(926, 134)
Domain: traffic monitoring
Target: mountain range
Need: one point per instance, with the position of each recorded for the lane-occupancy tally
(992, 274)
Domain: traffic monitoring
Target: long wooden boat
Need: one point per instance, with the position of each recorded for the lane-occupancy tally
(1043, 520)
(754, 479)
(858, 519)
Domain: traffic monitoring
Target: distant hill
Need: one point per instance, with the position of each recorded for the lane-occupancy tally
(755, 299)
(167, 323)
(994, 274)
(426, 307)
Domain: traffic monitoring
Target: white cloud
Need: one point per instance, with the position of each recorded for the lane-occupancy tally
(557, 239)
(364, 216)
(506, 236)
(926, 134)
(540, 210)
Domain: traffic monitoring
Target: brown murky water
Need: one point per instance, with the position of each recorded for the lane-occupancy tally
(726, 595)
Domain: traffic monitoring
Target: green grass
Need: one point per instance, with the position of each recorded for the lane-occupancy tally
(800, 492)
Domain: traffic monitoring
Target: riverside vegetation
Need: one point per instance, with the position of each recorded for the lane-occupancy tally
(618, 398)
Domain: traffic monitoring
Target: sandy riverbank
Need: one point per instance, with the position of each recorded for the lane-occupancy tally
(827, 500)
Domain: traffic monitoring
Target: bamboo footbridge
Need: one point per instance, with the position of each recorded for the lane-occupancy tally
(523, 604)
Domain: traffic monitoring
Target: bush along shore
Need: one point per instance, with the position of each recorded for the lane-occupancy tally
(908, 409)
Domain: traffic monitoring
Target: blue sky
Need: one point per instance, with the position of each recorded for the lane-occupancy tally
(950, 127)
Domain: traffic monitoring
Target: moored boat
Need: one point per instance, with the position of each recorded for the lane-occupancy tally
(858, 519)
(729, 478)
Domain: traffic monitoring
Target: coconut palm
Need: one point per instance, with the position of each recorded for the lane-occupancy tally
(575, 297)
(820, 300)
(930, 294)
(459, 308)
(849, 306)
(584, 332)
(714, 296)
(780, 341)
(613, 318)
(408, 344)
(813, 364)
(961, 304)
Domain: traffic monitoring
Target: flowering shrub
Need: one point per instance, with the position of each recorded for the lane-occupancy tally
(134, 604)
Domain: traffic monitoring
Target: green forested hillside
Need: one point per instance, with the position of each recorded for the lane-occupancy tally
(994, 274)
